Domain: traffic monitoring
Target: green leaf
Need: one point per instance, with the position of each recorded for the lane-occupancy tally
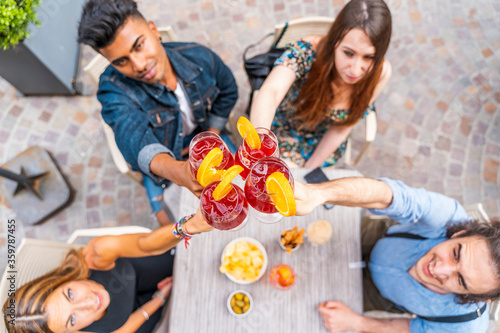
(15, 17)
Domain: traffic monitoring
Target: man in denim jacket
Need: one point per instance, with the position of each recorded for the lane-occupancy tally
(155, 96)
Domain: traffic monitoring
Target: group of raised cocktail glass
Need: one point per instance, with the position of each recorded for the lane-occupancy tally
(224, 205)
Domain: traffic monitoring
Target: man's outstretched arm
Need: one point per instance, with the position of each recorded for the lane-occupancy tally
(351, 191)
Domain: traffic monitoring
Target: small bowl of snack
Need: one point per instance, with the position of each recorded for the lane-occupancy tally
(239, 303)
(290, 240)
(244, 260)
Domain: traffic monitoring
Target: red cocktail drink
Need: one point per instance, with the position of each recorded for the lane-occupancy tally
(246, 156)
(228, 213)
(255, 187)
(202, 144)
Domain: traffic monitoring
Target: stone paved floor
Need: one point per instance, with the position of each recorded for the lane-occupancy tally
(438, 118)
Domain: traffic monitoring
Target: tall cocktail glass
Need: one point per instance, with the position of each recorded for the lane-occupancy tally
(201, 145)
(229, 213)
(255, 188)
(246, 156)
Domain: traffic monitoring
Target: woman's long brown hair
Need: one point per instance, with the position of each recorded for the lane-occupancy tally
(31, 299)
(374, 18)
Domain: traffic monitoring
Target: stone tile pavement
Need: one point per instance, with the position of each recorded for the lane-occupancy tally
(438, 118)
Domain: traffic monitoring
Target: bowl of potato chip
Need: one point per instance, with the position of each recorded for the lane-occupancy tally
(244, 260)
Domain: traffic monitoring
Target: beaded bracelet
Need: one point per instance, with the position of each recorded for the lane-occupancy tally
(180, 232)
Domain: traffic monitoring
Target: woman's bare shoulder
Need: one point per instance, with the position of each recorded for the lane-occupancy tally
(386, 71)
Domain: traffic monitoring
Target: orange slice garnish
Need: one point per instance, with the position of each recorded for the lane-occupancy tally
(280, 191)
(285, 273)
(248, 132)
(207, 172)
(225, 184)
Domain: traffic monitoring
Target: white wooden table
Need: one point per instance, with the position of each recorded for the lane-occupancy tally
(200, 291)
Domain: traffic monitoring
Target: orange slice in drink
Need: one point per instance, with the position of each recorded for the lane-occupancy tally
(286, 277)
(207, 172)
(248, 132)
(281, 193)
(225, 185)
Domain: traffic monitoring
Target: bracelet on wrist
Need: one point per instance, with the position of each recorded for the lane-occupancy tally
(144, 313)
(180, 231)
(159, 295)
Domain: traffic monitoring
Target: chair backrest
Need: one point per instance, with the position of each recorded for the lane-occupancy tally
(98, 64)
(302, 27)
(477, 212)
(35, 257)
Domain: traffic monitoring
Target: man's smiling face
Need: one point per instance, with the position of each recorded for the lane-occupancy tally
(460, 265)
(137, 51)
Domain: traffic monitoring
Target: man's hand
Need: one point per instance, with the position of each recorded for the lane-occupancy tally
(305, 198)
(179, 172)
(338, 317)
(185, 178)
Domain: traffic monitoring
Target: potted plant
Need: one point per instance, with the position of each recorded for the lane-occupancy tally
(15, 16)
(38, 48)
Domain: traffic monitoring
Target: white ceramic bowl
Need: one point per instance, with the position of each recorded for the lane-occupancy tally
(261, 248)
(229, 303)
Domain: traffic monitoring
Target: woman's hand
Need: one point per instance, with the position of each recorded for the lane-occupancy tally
(197, 224)
(165, 285)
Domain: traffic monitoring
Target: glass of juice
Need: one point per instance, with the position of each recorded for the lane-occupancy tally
(255, 188)
(246, 156)
(229, 213)
(202, 144)
(282, 277)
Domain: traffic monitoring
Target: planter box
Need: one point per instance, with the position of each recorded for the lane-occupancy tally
(46, 63)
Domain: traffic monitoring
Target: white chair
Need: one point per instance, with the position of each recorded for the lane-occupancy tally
(370, 133)
(477, 212)
(36, 257)
(302, 27)
(94, 69)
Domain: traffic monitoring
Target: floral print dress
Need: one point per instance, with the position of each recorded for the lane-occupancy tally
(295, 142)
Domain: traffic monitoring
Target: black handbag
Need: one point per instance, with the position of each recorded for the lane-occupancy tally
(259, 66)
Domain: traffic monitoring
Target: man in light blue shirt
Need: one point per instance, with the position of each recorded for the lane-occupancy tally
(437, 264)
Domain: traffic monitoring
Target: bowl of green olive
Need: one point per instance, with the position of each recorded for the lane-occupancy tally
(239, 303)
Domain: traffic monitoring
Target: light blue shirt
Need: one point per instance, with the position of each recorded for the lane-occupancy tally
(426, 214)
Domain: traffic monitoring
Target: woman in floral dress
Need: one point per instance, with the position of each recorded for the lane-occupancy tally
(321, 86)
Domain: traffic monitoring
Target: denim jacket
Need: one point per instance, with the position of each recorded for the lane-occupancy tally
(146, 119)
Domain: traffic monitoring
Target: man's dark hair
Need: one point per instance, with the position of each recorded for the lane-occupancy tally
(102, 18)
(491, 233)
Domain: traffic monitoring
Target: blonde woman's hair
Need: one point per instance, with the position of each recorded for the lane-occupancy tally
(30, 301)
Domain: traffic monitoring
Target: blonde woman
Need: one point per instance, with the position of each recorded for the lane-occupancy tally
(113, 284)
